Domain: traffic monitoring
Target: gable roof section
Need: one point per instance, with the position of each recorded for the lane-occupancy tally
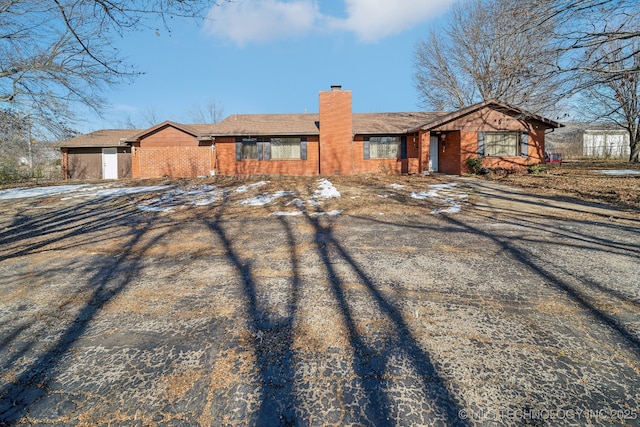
(100, 138)
(195, 130)
(493, 104)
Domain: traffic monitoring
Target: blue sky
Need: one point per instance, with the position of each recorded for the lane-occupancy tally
(274, 56)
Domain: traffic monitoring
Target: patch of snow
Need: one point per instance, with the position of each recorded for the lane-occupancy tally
(295, 213)
(330, 213)
(424, 195)
(451, 210)
(442, 186)
(122, 191)
(618, 172)
(151, 208)
(198, 195)
(296, 202)
(326, 190)
(26, 192)
(384, 196)
(245, 188)
(397, 186)
(444, 194)
(264, 199)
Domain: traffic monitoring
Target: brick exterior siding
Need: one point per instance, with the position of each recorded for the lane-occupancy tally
(174, 150)
(336, 132)
(171, 152)
(226, 163)
(176, 162)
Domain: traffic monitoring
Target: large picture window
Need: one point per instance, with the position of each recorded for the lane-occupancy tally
(385, 147)
(285, 148)
(271, 148)
(503, 144)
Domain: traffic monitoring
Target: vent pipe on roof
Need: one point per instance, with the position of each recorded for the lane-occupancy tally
(336, 87)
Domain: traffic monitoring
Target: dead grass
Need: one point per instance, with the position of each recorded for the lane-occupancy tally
(578, 180)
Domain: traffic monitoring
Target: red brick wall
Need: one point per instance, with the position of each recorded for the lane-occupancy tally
(336, 132)
(424, 138)
(227, 164)
(488, 120)
(362, 165)
(171, 152)
(449, 153)
(176, 162)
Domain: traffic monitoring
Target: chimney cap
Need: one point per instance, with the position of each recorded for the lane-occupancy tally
(336, 87)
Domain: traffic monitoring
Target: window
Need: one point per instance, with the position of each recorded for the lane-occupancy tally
(285, 148)
(503, 144)
(249, 149)
(385, 147)
(271, 148)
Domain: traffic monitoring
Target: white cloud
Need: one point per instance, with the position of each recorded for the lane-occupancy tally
(372, 20)
(246, 21)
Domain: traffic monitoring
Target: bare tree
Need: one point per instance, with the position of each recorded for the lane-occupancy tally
(617, 98)
(211, 112)
(582, 28)
(479, 55)
(58, 53)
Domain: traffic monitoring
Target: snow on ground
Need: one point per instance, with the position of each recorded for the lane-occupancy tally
(117, 191)
(326, 190)
(169, 200)
(265, 199)
(445, 194)
(23, 193)
(618, 172)
(245, 188)
(76, 190)
(169, 197)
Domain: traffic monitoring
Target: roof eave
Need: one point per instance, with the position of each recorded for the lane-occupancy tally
(491, 102)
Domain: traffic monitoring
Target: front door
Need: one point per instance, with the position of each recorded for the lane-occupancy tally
(433, 154)
(110, 163)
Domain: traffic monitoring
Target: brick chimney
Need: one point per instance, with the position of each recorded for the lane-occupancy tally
(336, 132)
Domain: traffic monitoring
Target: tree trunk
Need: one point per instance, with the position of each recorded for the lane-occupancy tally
(634, 145)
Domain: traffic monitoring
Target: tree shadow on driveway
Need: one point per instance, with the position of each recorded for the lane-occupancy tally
(106, 280)
(272, 335)
(372, 359)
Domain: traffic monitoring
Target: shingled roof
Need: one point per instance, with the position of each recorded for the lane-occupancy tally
(390, 123)
(267, 124)
(309, 124)
(298, 125)
(101, 138)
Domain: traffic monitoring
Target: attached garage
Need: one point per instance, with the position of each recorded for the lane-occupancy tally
(98, 155)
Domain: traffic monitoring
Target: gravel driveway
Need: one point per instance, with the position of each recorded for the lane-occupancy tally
(376, 308)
